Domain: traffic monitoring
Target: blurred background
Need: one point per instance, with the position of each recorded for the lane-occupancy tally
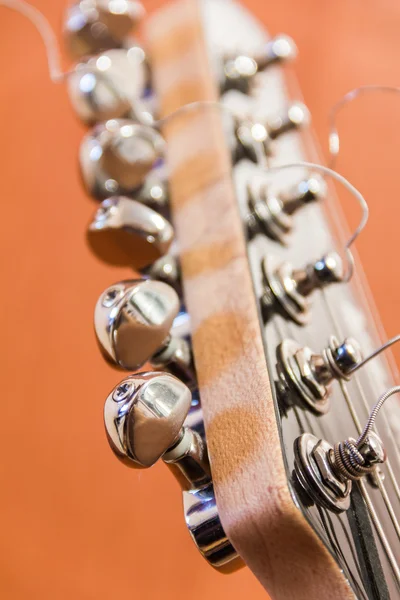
(74, 522)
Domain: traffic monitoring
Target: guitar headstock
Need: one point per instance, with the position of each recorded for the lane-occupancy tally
(276, 331)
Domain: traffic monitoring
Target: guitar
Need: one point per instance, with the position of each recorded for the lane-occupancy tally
(264, 512)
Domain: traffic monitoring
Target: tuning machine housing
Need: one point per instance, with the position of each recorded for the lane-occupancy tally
(145, 420)
(94, 25)
(133, 322)
(286, 289)
(113, 84)
(239, 71)
(127, 232)
(118, 156)
(272, 214)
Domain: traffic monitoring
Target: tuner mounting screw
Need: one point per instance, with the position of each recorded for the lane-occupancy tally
(123, 391)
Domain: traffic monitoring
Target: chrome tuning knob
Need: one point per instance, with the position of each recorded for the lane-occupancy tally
(118, 155)
(271, 215)
(94, 25)
(248, 134)
(239, 70)
(325, 473)
(144, 417)
(286, 289)
(305, 377)
(145, 420)
(126, 232)
(133, 321)
(112, 85)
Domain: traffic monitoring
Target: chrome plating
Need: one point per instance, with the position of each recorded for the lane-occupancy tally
(133, 321)
(94, 25)
(112, 85)
(117, 156)
(286, 288)
(144, 419)
(306, 377)
(126, 232)
(271, 215)
(239, 71)
(245, 136)
(316, 477)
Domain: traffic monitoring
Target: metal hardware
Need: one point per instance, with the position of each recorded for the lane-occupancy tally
(117, 156)
(245, 135)
(167, 269)
(286, 289)
(145, 421)
(94, 25)
(240, 70)
(112, 85)
(126, 232)
(154, 191)
(317, 479)
(271, 215)
(133, 320)
(326, 472)
(305, 377)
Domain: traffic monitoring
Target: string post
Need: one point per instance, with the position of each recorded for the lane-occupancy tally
(326, 472)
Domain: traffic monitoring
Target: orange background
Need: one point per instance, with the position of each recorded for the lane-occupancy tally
(74, 522)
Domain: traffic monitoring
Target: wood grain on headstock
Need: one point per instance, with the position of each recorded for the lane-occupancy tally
(253, 497)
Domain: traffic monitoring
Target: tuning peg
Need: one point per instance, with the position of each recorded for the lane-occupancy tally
(94, 25)
(112, 85)
(286, 289)
(133, 320)
(126, 232)
(239, 71)
(305, 377)
(249, 134)
(118, 155)
(144, 418)
(271, 215)
(326, 473)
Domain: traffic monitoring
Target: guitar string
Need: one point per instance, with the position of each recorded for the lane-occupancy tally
(334, 542)
(49, 38)
(374, 516)
(333, 138)
(326, 519)
(263, 160)
(350, 542)
(379, 529)
(371, 508)
(355, 417)
(334, 148)
(335, 546)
